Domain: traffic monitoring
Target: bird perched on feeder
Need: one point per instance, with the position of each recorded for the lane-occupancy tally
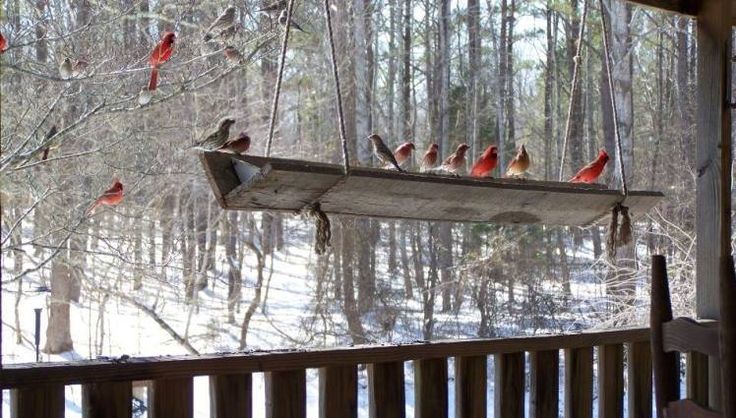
(486, 163)
(233, 55)
(222, 25)
(282, 21)
(160, 54)
(382, 152)
(111, 197)
(3, 43)
(65, 69)
(455, 161)
(219, 138)
(591, 172)
(239, 145)
(430, 158)
(402, 153)
(520, 164)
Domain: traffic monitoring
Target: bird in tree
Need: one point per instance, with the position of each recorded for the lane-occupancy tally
(383, 153)
(486, 163)
(239, 145)
(283, 19)
(233, 55)
(222, 24)
(50, 134)
(455, 161)
(79, 68)
(273, 7)
(3, 43)
(591, 172)
(111, 197)
(402, 153)
(217, 139)
(66, 69)
(160, 54)
(520, 164)
(430, 158)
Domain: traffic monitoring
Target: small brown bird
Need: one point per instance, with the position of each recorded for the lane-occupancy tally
(520, 164)
(233, 55)
(456, 160)
(239, 145)
(282, 22)
(403, 153)
(273, 7)
(430, 158)
(79, 68)
(383, 153)
(222, 24)
(218, 138)
(66, 69)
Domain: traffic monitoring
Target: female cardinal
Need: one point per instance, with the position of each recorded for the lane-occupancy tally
(238, 145)
(456, 160)
(591, 172)
(160, 54)
(232, 54)
(3, 43)
(403, 152)
(382, 152)
(486, 163)
(218, 138)
(430, 158)
(222, 24)
(520, 163)
(111, 197)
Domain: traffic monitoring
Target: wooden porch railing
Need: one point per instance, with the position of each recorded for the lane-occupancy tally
(37, 390)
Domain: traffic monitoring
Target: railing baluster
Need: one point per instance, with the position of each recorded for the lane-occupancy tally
(611, 381)
(386, 390)
(640, 380)
(697, 377)
(545, 384)
(171, 398)
(509, 388)
(579, 382)
(286, 394)
(430, 388)
(338, 392)
(231, 396)
(107, 400)
(471, 387)
(37, 402)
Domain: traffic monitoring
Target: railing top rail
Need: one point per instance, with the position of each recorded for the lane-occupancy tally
(146, 368)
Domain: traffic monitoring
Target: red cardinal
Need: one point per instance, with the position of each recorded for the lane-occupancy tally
(403, 152)
(3, 43)
(520, 164)
(456, 160)
(111, 197)
(430, 158)
(160, 54)
(486, 163)
(238, 145)
(591, 172)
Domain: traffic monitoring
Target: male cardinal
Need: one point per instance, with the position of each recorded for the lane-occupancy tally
(232, 54)
(591, 172)
(65, 69)
(486, 163)
(430, 158)
(111, 197)
(520, 163)
(456, 160)
(160, 54)
(238, 145)
(222, 24)
(403, 152)
(3, 43)
(218, 138)
(382, 152)
(282, 21)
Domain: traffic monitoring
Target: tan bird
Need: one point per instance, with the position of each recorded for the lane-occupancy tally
(520, 164)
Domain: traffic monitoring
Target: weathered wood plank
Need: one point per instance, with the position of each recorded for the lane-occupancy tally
(430, 388)
(471, 391)
(146, 368)
(697, 377)
(611, 381)
(545, 384)
(686, 335)
(386, 390)
(171, 398)
(231, 396)
(289, 185)
(338, 392)
(666, 365)
(509, 387)
(728, 336)
(286, 394)
(107, 400)
(639, 383)
(45, 401)
(579, 382)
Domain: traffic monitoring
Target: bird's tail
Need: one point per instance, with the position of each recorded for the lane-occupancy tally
(92, 208)
(153, 82)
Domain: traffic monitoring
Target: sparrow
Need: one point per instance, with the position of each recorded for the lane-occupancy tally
(591, 172)
(218, 138)
(430, 158)
(381, 151)
(232, 54)
(239, 145)
(65, 69)
(222, 24)
(486, 163)
(520, 164)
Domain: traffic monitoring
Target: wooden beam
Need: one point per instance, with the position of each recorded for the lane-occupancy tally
(171, 398)
(231, 396)
(728, 335)
(666, 365)
(146, 368)
(107, 400)
(685, 335)
(286, 394)
(430, 388)
(639, 382)
(338, 392)
(683, 7)
(45, 401)
(386, 396)
(509, 387)
(579, 382)
(545, 384)
(471, 387)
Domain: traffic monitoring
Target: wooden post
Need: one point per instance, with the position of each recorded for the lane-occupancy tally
(509, 389)
(697, 377)
(579, 382)
(107, 400)
(611, 381)
(714, 20)
(386, 390)
(471, 387)
(430, 388)
(728, 335)
(545, 384)
(171, 398)
(666, 365)
(286, 394)
(338, 392)
(231, 396)
(639, 381)
(37, 402)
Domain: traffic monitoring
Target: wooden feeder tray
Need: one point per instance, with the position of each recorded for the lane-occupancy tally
(258, 183)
